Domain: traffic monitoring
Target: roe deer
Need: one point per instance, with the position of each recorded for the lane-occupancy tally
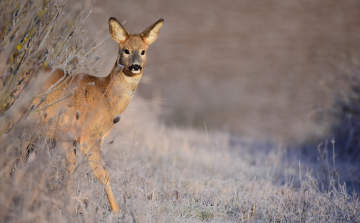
(85, 107)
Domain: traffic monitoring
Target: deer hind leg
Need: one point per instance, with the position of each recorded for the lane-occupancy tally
(97, 166)
(70, 159)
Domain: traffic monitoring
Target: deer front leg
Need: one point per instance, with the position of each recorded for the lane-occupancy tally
(97, 166)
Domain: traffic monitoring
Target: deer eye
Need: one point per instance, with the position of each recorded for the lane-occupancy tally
(126, 51)
(143, 52)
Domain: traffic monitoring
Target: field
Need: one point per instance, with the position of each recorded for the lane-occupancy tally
(184, 150)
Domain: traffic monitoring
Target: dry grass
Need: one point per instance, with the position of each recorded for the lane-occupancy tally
(158, 173)
(164, 174)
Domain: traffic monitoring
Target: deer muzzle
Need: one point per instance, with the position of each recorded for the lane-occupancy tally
(135, 68)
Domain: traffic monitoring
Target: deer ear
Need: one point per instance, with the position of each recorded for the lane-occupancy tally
(117, 31)
(150, 34)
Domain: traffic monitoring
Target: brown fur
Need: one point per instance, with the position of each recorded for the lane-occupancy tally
(83, 107)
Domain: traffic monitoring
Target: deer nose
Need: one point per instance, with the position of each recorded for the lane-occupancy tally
(135, 67)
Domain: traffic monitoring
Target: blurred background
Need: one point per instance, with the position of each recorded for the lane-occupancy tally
(252, 68)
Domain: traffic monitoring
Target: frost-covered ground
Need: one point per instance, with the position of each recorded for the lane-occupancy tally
(162, 174)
